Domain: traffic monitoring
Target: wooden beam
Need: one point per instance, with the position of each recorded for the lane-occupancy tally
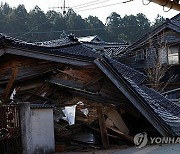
(103, 129)
(78, 74)
(167, 3)
(121, 134)
(10, 83)
(43, 98)
(68, 59)
(93, 80)
(98, 131)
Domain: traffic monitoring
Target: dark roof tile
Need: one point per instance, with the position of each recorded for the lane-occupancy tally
(157, 105)
(54, 47)
(127, 72)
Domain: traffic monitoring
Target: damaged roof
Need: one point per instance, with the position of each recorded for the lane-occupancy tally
(71, 49)
(160, 112)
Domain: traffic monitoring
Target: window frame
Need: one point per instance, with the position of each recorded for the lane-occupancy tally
(171, 54)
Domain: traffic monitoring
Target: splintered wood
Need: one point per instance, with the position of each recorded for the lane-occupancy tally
(97, 101)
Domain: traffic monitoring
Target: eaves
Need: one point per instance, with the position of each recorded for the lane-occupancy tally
(61, 58)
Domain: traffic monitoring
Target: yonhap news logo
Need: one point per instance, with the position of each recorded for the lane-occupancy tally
(141, 140)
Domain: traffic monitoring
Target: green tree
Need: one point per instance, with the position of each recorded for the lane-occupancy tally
(96, 27)
(74, 23)
(6, 11)
(17, 20)
(38, 26)
(38, 22)
(58, 25)
(158, 21)
(113, 25)
(2, 19)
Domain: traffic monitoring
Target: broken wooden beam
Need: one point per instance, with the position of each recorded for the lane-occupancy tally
(93, 80)
(103, 129)
(98, 131)
(10, 83)
(121, 134)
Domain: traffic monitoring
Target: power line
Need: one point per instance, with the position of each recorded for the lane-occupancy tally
(85, 4)
(64, 7)
(72, 30)
(37, 26)
(105, 6)
(95, 3)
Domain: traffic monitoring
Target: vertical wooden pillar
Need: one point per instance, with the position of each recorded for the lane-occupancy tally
(103, 128)
(10, 83)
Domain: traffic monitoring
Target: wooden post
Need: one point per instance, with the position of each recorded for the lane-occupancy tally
(10, 83)
(103, 128)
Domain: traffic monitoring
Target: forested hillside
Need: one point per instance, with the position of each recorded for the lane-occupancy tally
(39, 26)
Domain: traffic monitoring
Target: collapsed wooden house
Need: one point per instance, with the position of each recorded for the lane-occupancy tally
(67, 73)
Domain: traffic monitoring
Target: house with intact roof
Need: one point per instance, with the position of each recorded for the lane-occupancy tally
(161, 47)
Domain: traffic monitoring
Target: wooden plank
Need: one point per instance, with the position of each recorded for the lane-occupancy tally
(93, 80)
(10, 83)
(78, 74)
(71, 84)
(100, 99)
(104, 135)
(98, 131)
(121, 134)
(43, 98)
(117, 120)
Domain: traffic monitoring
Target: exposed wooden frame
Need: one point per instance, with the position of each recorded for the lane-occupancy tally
(10, 83)
(103, 128)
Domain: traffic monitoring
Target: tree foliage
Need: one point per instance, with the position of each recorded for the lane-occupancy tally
(39, 26)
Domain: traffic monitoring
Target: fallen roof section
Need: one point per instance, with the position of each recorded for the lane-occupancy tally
(160, 112)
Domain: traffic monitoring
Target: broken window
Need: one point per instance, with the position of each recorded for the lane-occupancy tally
(173, 55)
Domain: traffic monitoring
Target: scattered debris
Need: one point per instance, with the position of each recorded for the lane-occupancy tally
(99, 102)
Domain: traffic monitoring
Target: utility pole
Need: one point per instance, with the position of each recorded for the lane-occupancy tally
(63, 8)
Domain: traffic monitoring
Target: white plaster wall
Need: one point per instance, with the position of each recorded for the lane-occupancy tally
(42, 124)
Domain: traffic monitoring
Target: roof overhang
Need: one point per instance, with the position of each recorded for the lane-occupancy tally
(72, 60)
